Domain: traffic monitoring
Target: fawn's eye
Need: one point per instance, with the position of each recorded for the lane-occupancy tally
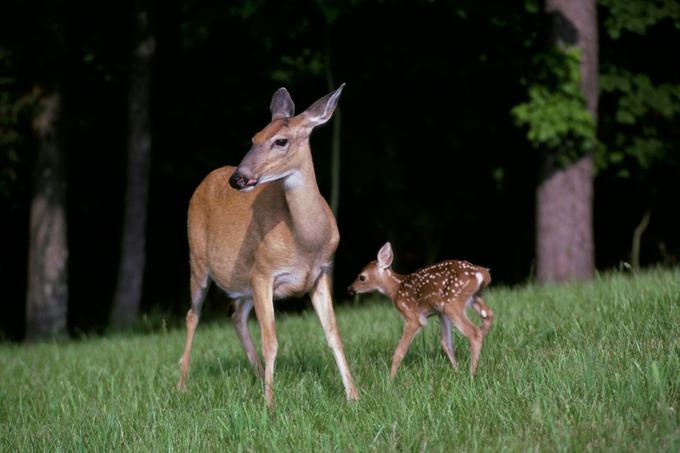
(362, 278)
(281, 142)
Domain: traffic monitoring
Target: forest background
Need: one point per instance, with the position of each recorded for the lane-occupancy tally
(461, 125)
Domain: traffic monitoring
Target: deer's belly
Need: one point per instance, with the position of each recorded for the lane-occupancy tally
(286, 283)
(291, 282)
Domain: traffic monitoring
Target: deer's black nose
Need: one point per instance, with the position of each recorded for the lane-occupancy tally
(350, 290)
(237, 181)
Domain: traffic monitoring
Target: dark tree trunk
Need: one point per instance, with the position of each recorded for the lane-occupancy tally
(47, 292)
(564, 198)
(128, 293)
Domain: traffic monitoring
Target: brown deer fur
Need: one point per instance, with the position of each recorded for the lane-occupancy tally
(273, 237)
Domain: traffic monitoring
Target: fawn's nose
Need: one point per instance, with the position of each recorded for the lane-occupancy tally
(350, 290)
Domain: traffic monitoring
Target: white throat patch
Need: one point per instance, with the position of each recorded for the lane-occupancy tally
(293, 180)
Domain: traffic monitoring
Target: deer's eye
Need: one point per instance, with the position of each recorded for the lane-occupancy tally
(281, 142)
(362, 278)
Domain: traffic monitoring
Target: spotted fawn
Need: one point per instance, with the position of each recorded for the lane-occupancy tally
(447, 288)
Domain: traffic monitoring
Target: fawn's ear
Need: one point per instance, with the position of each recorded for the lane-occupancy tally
(282, 105)
(322, 110)
(385, 256)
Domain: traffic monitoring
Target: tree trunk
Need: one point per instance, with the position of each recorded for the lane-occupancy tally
(128, 293)
(564, 198)
(47, 293)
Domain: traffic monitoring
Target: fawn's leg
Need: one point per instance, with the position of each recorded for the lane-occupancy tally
(411, 328)
(242, 309)
(456, 313)
(323, 304)
(446, 342)
(199, 289)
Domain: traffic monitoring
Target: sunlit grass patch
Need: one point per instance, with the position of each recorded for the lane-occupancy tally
(575, 367)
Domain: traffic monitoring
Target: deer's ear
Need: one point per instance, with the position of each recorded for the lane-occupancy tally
(385, 256)
(322, 110)
(282, 105)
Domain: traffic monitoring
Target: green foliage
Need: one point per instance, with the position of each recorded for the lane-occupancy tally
(643, 111)
(641, 130)
(14, 110)
(638, 15)
(308, 61)
(555, 114)
(247, 8)
(580, 367)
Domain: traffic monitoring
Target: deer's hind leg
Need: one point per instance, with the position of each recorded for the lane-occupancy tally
(456, 313)
(484, 312)
(446, 342)
(242, 309)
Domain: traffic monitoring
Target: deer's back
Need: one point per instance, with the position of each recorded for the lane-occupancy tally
(444, 281)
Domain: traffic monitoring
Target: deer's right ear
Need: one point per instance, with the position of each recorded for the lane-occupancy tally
(282, 105)
(322, 110)
(385, 256)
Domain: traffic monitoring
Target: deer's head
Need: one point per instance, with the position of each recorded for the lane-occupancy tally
(373, 277)
(280, 149)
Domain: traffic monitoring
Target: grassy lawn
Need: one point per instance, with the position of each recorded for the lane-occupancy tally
(591, 366)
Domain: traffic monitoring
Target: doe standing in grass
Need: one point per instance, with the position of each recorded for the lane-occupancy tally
(260, 242)
(446, 288)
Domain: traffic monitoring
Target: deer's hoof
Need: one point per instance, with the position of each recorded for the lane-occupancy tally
(353, 395)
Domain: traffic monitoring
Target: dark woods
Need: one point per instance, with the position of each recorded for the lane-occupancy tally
(429, 150)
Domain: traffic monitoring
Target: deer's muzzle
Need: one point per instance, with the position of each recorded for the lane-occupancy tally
(241, 182)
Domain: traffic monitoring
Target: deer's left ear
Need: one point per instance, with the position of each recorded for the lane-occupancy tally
(322, 110)
(385, 256)
(282, 105)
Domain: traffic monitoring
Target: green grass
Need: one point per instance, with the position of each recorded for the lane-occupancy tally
(591, 366)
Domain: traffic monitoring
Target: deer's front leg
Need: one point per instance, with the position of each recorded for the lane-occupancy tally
(264, 309)
(411, 328)
(323, 304)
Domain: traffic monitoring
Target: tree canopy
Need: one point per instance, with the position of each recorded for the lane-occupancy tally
(445, 107)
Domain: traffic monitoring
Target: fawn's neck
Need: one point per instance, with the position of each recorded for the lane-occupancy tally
(391, 283)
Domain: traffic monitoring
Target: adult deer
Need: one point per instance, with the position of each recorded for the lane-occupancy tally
(446, 288)
(260, 242)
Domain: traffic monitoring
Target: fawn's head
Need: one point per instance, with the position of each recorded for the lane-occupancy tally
(280, 149)
(375, 274)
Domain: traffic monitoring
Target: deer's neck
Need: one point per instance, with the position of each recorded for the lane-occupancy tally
(309, 213)
(391, 283)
